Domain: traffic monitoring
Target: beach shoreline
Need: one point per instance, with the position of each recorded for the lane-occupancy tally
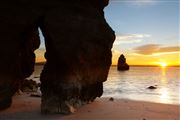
(25, 107)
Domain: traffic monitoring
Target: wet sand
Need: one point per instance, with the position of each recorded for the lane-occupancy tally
(25, 107)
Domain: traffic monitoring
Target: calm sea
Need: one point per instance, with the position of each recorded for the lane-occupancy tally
(133, 84)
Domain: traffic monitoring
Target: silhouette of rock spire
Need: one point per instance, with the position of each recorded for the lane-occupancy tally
(122, 65)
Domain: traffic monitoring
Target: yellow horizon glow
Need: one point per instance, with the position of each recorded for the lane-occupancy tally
(172, 59)
(40, 55)
(163, 64)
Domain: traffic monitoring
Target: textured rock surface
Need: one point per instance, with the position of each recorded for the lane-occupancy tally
(78, 43)
(18, 37)
(78, 56)
(29, 45)
(29, 86)
(11, 81)
(122, 65)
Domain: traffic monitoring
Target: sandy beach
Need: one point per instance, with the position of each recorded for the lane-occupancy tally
(25, 107)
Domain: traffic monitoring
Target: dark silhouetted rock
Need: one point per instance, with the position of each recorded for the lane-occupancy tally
(111, 99)
(78, 56)
(29, 86)
(122, 65)
(35, 95)
(14, 72)
(78, 50)
(30, 43)
(152, 87)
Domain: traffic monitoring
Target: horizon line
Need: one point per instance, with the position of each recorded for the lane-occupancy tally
(42, 63)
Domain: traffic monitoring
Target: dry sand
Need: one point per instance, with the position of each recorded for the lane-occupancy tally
(28, 108)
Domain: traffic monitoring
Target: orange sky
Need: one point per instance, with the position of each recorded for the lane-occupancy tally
(154, 59)
(134, 58)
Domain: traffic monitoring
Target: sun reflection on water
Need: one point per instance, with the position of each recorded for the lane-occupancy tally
(163, 76)
(164, 91)
(164, 97)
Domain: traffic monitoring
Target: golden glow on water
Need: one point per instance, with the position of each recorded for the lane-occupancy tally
(164, 92)
(163, 74)
(164, 97)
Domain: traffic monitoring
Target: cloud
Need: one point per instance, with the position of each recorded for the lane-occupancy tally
(151, 49)
(137, 2)
(143, 2)
(130, 38)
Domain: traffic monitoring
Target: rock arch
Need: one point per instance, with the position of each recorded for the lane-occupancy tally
(78, 50)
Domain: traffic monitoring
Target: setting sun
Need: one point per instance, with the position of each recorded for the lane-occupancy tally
(163, 64)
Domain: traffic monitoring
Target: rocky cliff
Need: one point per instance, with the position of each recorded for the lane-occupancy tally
(78, 50)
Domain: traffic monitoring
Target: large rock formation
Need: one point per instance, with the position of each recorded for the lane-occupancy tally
(78, 50)
(24, 67)
(122, 65)
(30, 43)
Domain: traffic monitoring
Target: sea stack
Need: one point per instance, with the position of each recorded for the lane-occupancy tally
(122, 65)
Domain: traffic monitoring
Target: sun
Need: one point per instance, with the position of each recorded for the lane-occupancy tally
(163, 64)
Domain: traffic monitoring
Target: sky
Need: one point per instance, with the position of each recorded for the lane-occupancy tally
(147, 31)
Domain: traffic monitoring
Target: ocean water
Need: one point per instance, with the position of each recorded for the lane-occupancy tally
(132, 84)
